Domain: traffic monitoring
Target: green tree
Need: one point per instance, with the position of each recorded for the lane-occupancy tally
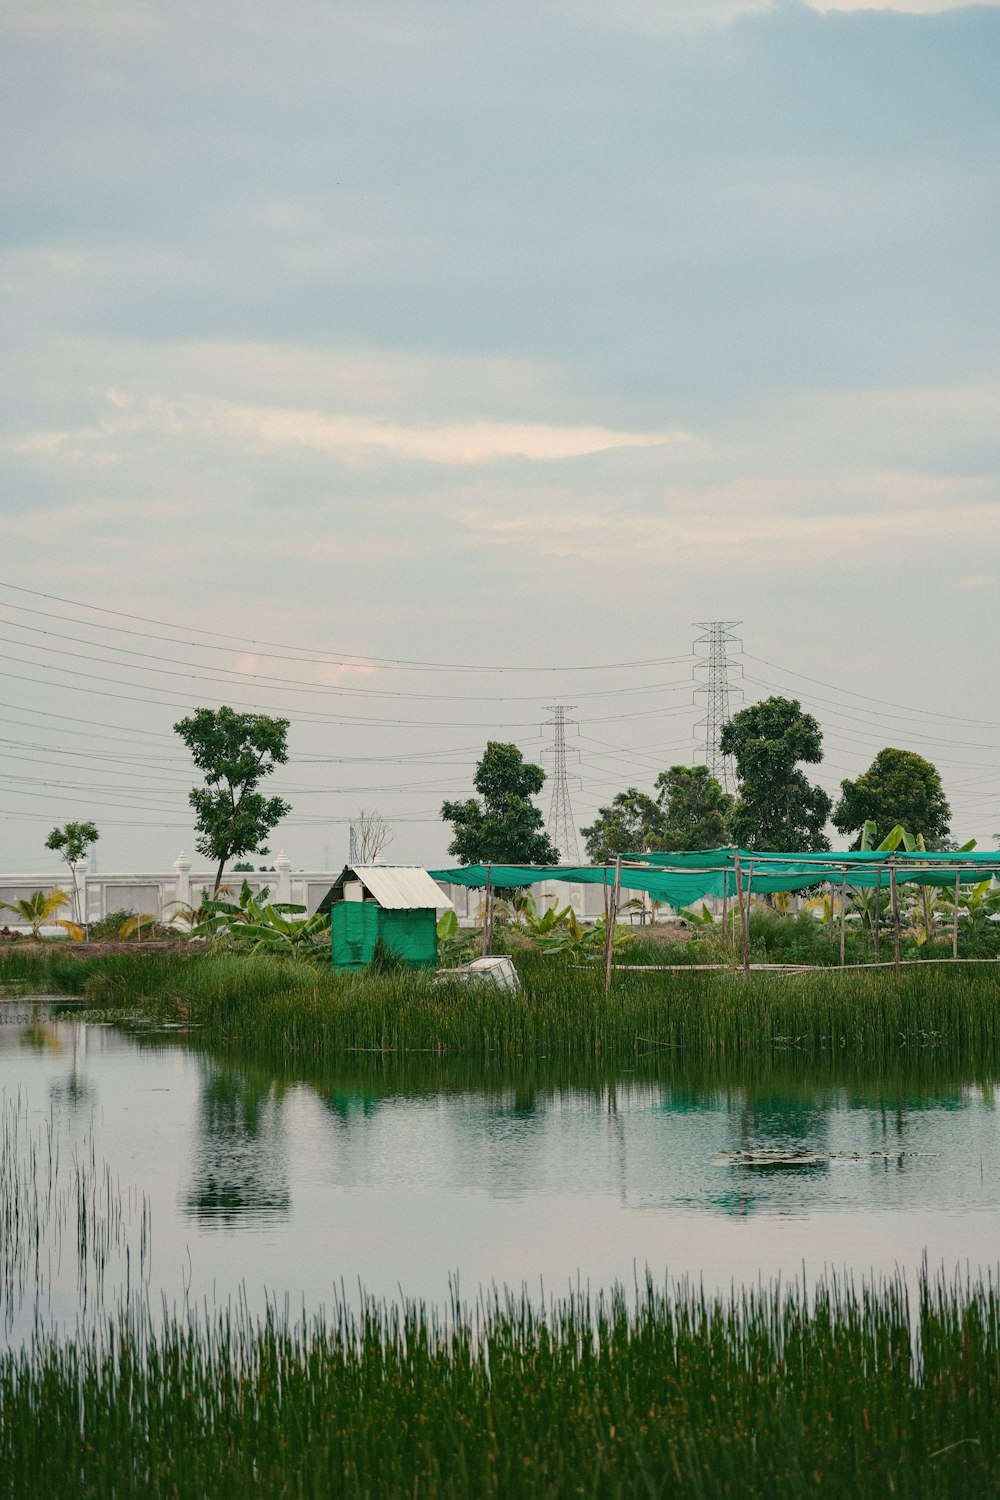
(777, 808)
(72, 841)
(234, 752)
(632, 823)
(694, 807)
(898, 787)
(502, 824)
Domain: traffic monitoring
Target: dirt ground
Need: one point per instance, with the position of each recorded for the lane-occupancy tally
(65, 947)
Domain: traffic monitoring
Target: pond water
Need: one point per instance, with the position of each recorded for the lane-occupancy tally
(244, 1184)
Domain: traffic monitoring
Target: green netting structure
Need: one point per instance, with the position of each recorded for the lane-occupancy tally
(682, 878)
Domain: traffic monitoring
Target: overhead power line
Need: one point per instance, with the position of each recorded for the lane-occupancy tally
(342, 658)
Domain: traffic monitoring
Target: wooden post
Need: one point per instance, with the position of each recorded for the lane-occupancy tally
(954, 916)
(488, 912)
(725, 907)
(744, 918)
(878, 913)
(843, 910)
(609, 931)
(895, 913)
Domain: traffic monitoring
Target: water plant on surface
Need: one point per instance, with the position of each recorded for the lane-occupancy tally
(861, 1393)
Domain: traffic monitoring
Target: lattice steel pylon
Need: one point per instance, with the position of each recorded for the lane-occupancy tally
(717, 692)
(561, 827)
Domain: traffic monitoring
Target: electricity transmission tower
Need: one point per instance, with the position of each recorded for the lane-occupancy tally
(716, 692)
(561, 827)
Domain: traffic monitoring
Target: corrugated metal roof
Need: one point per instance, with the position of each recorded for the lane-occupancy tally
(399, 887)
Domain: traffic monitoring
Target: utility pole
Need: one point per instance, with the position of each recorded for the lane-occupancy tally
(716, 692)
(561, 826)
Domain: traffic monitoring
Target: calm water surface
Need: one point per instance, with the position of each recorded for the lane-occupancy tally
(259, 1188)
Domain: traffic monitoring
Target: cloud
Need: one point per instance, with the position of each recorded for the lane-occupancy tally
(473, 442)
(732, 530)
(903, 7)
(106, 19)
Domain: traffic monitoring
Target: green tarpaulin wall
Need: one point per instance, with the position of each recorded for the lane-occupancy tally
(680, 879)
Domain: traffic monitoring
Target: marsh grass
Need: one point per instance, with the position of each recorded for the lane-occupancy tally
(272, 1007)
(860, 1393)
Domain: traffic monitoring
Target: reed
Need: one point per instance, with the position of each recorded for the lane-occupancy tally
(59, 1206)
(668, 1393)
(272, 1007)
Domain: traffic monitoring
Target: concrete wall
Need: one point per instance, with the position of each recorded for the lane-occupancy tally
(152, 892)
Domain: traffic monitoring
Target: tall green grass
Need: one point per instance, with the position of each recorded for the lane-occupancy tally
(282, 1008)
(862, 1393)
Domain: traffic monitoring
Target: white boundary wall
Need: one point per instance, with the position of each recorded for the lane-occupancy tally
(152, 893)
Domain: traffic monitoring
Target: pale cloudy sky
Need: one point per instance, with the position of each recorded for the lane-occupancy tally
(517, 337)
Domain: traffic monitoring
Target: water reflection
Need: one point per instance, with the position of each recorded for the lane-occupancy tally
(240, 1165)
(397, 1172)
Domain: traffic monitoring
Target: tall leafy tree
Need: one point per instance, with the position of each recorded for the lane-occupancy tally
(631, 823)
(898, 787)
(502, 825)
(234, 752)
(694, 807)
(72, 841)
(777, 807)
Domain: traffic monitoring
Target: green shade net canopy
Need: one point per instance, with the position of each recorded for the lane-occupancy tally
(681, 878)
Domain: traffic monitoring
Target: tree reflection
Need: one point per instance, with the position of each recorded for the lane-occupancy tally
(240, 1168)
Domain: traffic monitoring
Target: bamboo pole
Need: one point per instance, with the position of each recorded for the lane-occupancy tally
(609, 931)
(894, 891)
(843, 911)
(488, 912)
(744, 917)
(878, 913)
(954, 915)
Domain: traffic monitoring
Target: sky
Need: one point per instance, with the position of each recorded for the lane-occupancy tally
(406, 369)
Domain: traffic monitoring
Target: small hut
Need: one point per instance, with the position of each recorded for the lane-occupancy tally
(397, 903)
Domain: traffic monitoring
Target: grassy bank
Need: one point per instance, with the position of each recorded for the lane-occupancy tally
(281, 1008)
(673, 1396)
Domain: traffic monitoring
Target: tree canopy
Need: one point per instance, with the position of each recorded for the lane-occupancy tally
(689, 812)
(502, 825)
(898, 787)
(72, 841)
(631, 823)
(694, 808)
(234, 752)
(777, 807)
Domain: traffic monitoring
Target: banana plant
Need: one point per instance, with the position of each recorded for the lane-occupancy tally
(37, 911)
(455, 945)
(703, 918)
(539, 925)
(194, 918)
(976, 905)
(274, 933)
(230, 917)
